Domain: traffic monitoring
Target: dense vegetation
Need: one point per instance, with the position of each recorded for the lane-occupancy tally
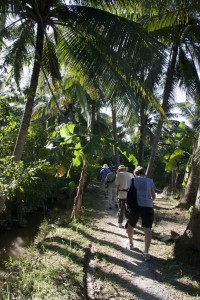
(62, 64)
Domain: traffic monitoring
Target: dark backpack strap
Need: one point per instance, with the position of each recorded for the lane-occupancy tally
(132, 196)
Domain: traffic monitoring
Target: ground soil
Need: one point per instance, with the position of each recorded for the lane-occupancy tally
(115, 272)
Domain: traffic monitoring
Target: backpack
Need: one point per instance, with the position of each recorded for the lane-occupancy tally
(110, 181)
(131, 199)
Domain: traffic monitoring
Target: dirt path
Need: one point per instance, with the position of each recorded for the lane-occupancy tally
(116, 273)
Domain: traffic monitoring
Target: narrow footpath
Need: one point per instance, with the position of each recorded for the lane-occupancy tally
(115, 272)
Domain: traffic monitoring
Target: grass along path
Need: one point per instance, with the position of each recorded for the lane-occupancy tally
(89, 259)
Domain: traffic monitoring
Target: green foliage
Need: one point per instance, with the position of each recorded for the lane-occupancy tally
(93, 173)
(178, 140)
(9, 123)
(191, 209)
(81, 96)
(36, 141)
(173, 159)
(76, 142)
(131, 158)
(29, 184)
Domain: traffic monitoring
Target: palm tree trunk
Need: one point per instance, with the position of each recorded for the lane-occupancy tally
(114, 128)
(187, 246)
(165, 106)
(92, 119)
(142, 136)
(150, 167)
(192, 186)
(191, 189)
(19, 146)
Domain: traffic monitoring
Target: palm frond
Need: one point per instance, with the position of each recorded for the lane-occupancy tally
(187, 72)
(50, 61)
(18, 52)
(103, 64)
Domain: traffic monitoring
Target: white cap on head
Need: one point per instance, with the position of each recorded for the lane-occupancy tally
(105, 166)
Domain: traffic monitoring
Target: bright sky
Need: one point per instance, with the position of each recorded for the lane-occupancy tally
(180, 96)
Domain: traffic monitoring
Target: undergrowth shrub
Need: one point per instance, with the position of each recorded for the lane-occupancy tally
(28, 184)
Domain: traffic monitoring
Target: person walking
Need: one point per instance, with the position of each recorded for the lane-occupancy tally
(103, 173)
(122, 183)
(112, 190)
(145, 191)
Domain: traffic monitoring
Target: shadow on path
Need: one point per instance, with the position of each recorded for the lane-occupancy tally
(128, 275)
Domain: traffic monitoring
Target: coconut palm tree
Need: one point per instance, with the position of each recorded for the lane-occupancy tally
(178, 27)
(46, 34)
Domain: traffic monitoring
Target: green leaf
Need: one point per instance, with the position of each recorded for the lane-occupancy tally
(67, 130)
(92, 144)
(72, 184)
(174, 159)
(83, 102)
(179, 135)
(167, 156)
(182, 125)
(130, 157)
(186, 143)
(76, 161)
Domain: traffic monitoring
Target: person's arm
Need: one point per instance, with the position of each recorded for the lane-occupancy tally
(153, 194)
(130, 183)
(117, 188)
(117, 183)
(106, 179)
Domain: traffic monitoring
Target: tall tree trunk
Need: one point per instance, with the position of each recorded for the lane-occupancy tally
(165, 106)
(150, 167)
(19, 146)
(93, 114)
(192, 186)
(79, 195)
(114, 128)
(187, 246)
(191, 189)
(142, 135)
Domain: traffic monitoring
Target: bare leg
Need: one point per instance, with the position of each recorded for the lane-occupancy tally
(110, 198)
(147, 239)
(130, 232)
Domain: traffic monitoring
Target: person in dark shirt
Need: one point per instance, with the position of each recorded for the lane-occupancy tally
(112, 190)
(103, 173)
